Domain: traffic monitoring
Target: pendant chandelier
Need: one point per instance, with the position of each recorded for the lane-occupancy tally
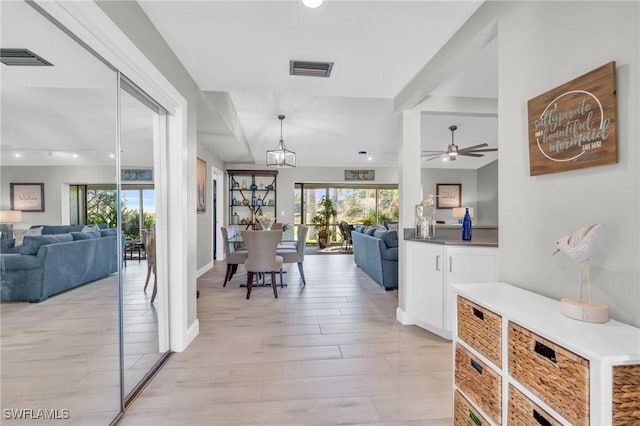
(281, 157)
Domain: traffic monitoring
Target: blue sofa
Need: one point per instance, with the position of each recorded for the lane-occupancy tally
(62, 258)
(376, 253)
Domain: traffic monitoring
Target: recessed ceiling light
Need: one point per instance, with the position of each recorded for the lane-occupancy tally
(312, 3)
(17, 155)
(74, 155)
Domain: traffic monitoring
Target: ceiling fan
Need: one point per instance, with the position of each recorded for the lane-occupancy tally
(453, 151)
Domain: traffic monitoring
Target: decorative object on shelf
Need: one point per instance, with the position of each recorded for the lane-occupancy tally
(269, 187)
(27, 197)
(466, 225)
(448, 195)
(453, 151)
(235, 184)
(426, 218)
(253, 186)
(573, 126)
(235, 219)
(245, 202)
(281, 157)
(7, 219)
(201, 185)
(234, 201)
(266, 221)
(580, 246)
(244, 184)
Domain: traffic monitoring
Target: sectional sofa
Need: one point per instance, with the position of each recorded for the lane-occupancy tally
(375, 251)
(61, 258)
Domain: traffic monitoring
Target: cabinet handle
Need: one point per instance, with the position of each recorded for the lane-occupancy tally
(437, 262)
(477, 312)
(540, 419)
(477, 366)
(450, 264)
(545, 351)
(475, 418)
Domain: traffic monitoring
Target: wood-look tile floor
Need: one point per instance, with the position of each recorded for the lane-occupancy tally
(63, 353)
(326, 354)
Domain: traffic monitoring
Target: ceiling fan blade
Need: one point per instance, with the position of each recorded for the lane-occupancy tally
(434, 152)
(482, 150)
(472, 148)
(432, 158)
(470, 154)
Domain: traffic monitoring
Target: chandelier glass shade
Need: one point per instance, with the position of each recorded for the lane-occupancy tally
(281, 157)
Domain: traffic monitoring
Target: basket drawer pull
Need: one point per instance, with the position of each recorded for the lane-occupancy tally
(545, 351)
(477, 366)
(477, 312)
(540, 419)
(475, 418)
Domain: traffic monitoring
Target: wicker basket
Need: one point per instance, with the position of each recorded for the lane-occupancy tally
(524, 412)
(465, 414)
(557, 376)
(480, 382)
(626, 395)
(481, 329)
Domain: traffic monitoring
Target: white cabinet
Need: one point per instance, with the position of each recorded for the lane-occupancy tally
(431, 269)
(550, 369)
(425, 289)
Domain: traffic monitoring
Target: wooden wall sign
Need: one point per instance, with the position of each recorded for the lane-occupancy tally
(574, 125)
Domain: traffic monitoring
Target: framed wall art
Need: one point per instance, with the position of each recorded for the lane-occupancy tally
(448, 195)
(201, 184)
(27, 197)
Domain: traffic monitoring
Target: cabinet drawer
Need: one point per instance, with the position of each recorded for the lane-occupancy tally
(626, 395)
(557, 376)
(524, 412)
(480, 382)
(481, 329)
(465, 414)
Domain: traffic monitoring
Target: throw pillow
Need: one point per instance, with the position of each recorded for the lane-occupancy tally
(370, 231)
(36, 231)
(390, 238)
(31, 244)
(91, 228)
(109, 232)
(359, 228)
(84, 235)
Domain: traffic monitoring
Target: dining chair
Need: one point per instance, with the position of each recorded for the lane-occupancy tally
(296, 254)
(149, 240)
(232, 257)
(345, 231)
(262, 258)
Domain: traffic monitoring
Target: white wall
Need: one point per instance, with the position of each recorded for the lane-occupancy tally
(135, 24)
(487, 200)
(56, 181)
(542, 45)
(205, 220)
(467, 178)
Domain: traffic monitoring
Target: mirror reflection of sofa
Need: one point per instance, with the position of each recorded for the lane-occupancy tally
(62, 257)
(375, 251)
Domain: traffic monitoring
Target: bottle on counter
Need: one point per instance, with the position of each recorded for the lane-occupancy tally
(466, 225)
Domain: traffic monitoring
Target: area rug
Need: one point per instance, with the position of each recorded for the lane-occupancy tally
(328, 250)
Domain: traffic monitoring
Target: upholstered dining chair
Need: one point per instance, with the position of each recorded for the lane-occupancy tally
(296, 254)
(149, 240)
(232, 257)
(345, 231)
(261, 258)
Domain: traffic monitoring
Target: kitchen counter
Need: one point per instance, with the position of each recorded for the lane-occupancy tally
(474, 242)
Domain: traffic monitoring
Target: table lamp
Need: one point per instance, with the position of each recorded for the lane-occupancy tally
(458, 213)
(7, 219)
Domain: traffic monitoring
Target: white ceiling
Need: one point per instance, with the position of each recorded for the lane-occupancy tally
(377, 47)
(238, 52)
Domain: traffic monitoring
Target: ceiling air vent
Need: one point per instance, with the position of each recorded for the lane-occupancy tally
(22, 57)
(310, 69)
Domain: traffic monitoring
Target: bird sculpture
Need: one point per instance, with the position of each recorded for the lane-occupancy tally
(580, 246)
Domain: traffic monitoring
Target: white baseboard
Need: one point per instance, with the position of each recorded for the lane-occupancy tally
(402, 317)
(192, 333)
(206, 268)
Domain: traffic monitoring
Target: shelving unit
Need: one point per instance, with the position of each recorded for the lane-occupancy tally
(251, 193)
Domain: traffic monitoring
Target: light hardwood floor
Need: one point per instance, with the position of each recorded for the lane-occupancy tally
(325, 354)
(63, 353)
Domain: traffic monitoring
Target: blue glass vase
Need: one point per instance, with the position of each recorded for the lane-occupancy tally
(466, 226)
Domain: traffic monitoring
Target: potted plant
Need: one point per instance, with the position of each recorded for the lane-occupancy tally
(323, 220)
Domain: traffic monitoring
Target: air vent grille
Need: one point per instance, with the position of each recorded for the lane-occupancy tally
(22, 57)
(310, 69)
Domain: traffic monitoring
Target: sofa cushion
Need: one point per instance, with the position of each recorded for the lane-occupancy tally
(31, 244)
(109, 232)
(84, 235)
(390, 238)
(369, 231)
(359, 228)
